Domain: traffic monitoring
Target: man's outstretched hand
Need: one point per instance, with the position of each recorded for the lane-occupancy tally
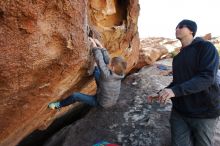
(151, 98)
(162, 96)
(165, 95)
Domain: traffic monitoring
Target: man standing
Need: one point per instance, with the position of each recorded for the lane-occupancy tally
(194, 91)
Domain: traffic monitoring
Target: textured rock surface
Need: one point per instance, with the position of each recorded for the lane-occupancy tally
(44, 55)
(118, 26)
(132, 122)
(155, 48)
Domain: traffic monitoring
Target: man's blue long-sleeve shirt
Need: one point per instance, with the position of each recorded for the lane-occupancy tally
(195, 86)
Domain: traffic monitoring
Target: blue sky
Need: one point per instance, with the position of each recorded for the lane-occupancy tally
(158, 18)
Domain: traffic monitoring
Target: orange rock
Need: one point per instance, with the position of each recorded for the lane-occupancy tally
(153, 49)
(207, 36)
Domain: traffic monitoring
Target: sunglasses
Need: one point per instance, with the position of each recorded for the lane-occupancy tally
(181, 26)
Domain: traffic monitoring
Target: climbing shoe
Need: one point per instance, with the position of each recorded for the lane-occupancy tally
(54, 105)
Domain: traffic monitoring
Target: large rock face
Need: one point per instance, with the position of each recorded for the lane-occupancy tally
(117, 22)
(44, 55)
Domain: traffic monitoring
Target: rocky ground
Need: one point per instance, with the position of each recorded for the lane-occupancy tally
(132, 122)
